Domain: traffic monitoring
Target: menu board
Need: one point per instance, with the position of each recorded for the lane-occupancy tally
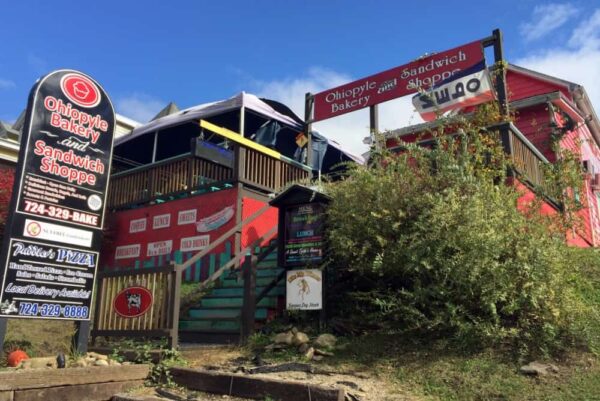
(303, 243)
(51, 245)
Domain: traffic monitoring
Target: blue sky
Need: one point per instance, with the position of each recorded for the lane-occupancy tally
(147, 53)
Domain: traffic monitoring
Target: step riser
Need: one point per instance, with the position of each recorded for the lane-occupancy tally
(199, 325)
(260, 282)
(216, 314)
(239, 292)
(235, 302)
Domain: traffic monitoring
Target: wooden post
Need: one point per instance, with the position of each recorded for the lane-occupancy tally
(501, 72)
(249, 307)
(3, 327)
(98, 303)
(308, 111)
(374, 124)
(242, 118)
(175, 304)
(81, 336)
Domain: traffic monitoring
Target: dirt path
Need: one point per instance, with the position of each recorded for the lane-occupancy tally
(365, 385)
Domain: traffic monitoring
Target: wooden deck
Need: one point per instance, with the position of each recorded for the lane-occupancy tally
(265, 170)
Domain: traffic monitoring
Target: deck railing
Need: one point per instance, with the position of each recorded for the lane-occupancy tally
(187, 173)
(528, 162)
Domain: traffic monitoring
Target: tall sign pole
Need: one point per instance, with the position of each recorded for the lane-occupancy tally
(501, 71)
(308, 118)
(53, 235)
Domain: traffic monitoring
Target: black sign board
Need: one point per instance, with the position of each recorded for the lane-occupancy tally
(213, 152)
(50, 252)
(303, 243)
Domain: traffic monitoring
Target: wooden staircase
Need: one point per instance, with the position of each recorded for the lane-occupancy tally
(217, 317)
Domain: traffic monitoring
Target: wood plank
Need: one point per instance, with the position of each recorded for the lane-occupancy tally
(254, 387)
(88, 392)
(6, 395)
(42, 378)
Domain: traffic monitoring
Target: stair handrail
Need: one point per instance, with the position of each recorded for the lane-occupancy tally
(181, 267)
(235, 260)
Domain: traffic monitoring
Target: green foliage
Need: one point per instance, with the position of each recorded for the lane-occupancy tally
(431, 241)
(160, 371)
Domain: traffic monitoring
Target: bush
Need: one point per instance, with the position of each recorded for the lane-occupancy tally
(430, 241)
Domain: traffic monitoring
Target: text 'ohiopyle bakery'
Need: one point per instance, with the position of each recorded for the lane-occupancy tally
(192, 192)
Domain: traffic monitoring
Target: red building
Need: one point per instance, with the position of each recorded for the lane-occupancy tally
(547, 110)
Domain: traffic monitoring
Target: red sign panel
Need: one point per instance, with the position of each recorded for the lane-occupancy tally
(132, 301)
(397, 82)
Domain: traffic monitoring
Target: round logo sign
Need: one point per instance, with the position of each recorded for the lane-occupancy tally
(80, 90)
(94, 202)
(34, 229)
(132, 301)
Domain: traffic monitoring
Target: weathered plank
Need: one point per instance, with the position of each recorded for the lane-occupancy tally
(253, 387)
(133, 397)
(88, 392)
(6, 395)
(42, 378)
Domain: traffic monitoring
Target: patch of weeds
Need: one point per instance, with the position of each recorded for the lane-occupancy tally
(258, 341)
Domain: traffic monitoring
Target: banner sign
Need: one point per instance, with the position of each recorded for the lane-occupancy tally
(303, 243)
(304, 289)
(404, 80)
(468, 88)
(50, 252)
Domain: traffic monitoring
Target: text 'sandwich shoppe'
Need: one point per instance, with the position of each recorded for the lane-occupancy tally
(53, 237)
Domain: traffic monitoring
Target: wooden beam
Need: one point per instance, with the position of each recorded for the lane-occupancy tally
(254, 387)
(90, 392)
(41, 378)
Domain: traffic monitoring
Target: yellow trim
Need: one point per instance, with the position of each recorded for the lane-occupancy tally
(234, 136)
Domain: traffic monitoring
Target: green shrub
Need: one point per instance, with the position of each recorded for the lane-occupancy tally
(431, 241)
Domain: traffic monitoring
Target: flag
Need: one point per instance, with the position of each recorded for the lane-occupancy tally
(466, 88)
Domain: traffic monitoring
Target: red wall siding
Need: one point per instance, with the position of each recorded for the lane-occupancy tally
(205, 205)
(534, 123)
(260, 226)
(7, 177)
(525, 202)
(521, 86)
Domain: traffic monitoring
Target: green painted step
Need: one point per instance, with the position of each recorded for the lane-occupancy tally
(260, 273)
(267, 263)
(238, 291)
(223, 313)
(268, 272)
(232, 282)
(199, 325)
(215, 302)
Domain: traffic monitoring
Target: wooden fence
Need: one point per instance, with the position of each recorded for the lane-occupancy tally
(161, 319)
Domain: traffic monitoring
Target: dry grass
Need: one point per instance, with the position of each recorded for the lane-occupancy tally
(39, 337)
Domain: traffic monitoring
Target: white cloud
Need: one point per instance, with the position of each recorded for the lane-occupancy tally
(6, 84)
(139, 106)
(349, 129)
(579, 62)
(587, 34)
(545, 19)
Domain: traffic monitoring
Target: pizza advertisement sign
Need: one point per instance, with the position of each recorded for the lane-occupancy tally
(50, 252)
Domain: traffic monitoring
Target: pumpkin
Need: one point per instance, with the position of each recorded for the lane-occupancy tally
(14, 358)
